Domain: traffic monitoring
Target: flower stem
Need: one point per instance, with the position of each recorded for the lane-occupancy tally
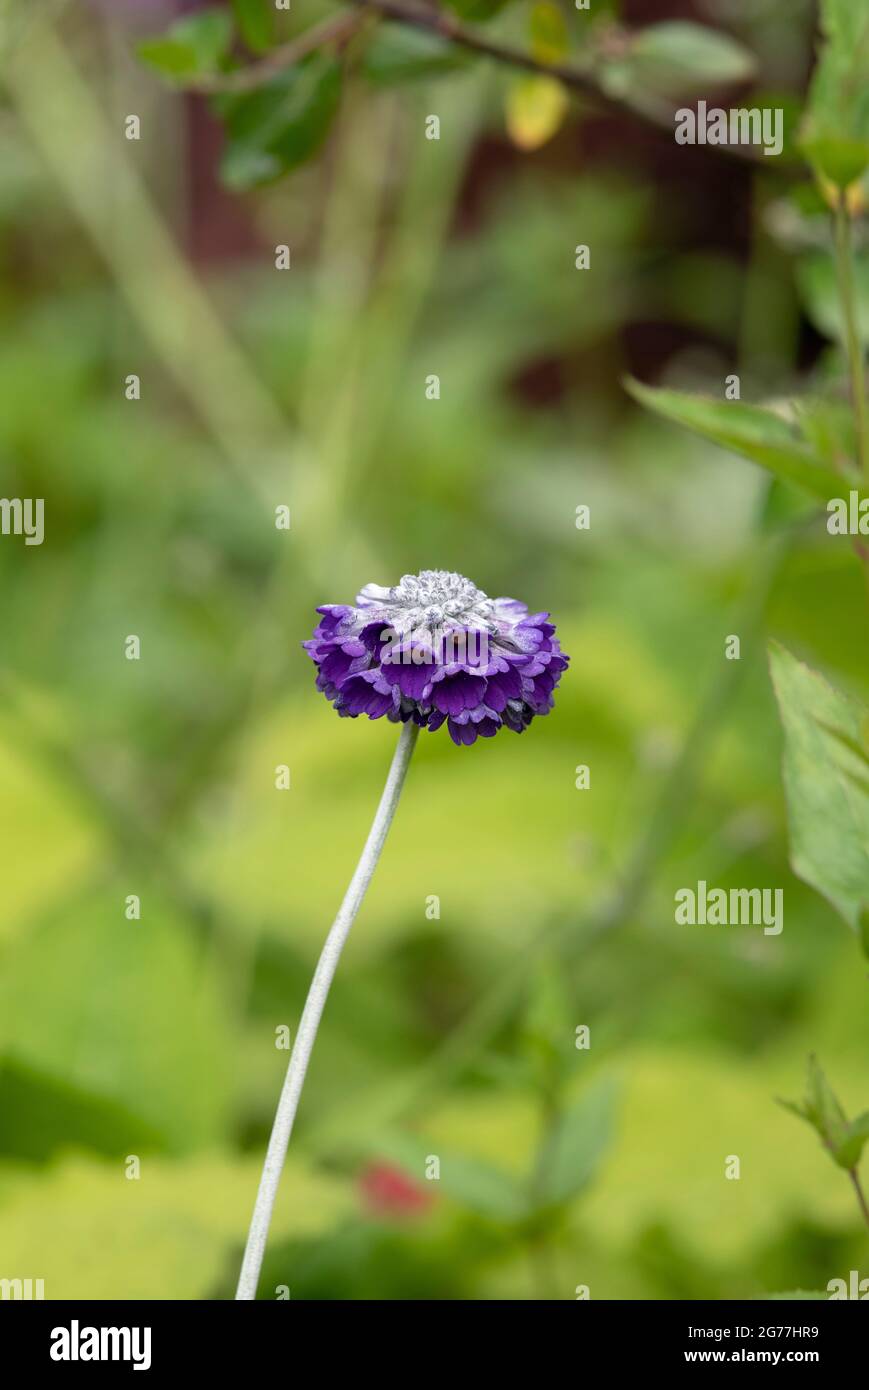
(312, 1013)
(845, 267)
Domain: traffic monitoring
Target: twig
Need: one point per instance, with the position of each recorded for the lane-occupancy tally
(335, 30)
(436, 21)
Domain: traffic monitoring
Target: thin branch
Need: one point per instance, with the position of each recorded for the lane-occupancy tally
(335, 30)
(445, 26)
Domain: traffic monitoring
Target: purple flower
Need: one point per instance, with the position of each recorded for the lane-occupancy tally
(434, 648)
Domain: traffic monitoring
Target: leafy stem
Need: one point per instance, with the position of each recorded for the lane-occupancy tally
(843, 1139)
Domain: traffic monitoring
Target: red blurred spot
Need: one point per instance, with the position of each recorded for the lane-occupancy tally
(388, 1192)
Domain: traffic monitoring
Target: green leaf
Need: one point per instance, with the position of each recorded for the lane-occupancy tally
(850, 1149)
(821, 298)
(828, 812)
(836, 134)
(821, 1099)
(92, 1002)
(842, 160)
(821, 1110)
(571, 1155)
(398, 54)
(828, 428)
(473, 1183)
(255, 20)
(40, 1116)
(281, 124)
(191, 47)
(681, 59)
(749, 430)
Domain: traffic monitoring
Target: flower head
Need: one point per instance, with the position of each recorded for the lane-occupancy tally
(433, 648)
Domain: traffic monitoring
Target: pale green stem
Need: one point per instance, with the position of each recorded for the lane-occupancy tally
(312, 1013)
(845, 268)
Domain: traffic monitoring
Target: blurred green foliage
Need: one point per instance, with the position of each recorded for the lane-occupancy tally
(561, 1166)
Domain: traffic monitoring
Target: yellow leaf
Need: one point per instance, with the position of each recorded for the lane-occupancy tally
(535, 108)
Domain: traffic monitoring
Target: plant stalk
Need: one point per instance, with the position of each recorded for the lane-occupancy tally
(312, 1013)
(845, 268)
(860, 1194)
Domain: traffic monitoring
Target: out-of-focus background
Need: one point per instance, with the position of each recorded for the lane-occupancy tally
(451, 1032)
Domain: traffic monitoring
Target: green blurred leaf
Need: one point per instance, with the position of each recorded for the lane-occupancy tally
(828, 428)
(842, 161)
(397, 54)
(255, 20)
(828, 812)
(481, 1187)
(192, 47)
(822, 1111)
(823, 1105)
(473, 1183)
(850, 1149)
(678, 58)
(281, 124)
(571, 1155)
(749, 430)
(124, 1011)
(836, 134)
(821, 298)
(40, 1116)
(547, 32)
